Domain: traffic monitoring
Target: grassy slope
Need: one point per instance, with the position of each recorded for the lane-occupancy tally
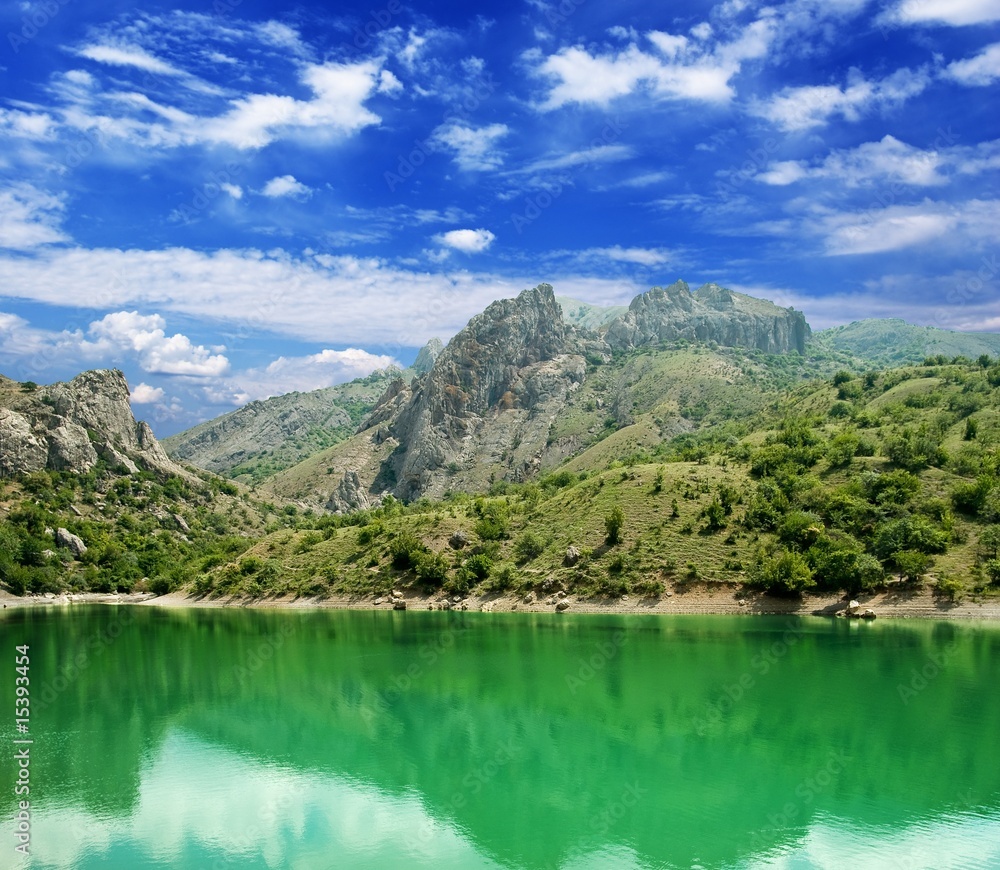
(658, 547)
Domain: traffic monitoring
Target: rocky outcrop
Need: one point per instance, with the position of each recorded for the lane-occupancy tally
(21, 450)
(69, 426)
(711, 313)
(73, 543)
(350, 494)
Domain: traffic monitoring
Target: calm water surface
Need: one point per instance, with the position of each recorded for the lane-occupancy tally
(248, 739)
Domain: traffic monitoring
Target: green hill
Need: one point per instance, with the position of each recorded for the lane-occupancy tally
(896, 342)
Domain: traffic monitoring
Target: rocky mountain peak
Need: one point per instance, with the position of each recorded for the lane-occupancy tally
(711, 313)
(69, 426)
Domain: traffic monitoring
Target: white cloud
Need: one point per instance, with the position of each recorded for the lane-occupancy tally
(898, 227)
(647, 179)
(245, 291)
(801, 108)
(952, 12)
(156, 352)
(29, 217)
(337, 108)
(304, 373)
(886, 160)
(474, 148)
(981, 70)
(674, 68)
(253, 120)
(467, 241)
(129, 55)
(388, 83)
(285, 185)
(639, 256)
(144, 394)
(234, 190)
(17, 124)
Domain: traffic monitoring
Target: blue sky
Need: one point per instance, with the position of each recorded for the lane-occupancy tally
(232, 199)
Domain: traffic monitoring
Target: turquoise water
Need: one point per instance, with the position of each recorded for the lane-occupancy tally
(225, 739)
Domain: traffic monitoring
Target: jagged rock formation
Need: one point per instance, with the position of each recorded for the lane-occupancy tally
(711, 313)
(482, 411)
(509, 369)
(69, 426)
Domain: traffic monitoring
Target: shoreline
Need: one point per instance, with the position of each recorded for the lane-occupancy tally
(918, 603)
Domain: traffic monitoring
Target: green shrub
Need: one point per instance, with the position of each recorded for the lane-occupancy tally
(786, 573)
(614, 522)
(405, 551)
(368, 533)
(912, 564)
(503, 576)
(479, 566)
(432, 569)
(528, 546)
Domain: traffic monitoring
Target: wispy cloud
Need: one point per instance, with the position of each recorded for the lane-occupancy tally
(473, 148)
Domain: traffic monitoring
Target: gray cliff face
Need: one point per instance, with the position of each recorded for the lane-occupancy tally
(491, 367)
(711, 313)
(69, 426)
(483, 410)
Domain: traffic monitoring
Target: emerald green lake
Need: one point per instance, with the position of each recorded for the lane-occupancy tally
(273, 739)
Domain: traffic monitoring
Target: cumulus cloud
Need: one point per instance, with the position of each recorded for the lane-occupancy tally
(802, 108)
(883, 228)
(669, 67)
(285, 185)
(144, 394)
(337, 107)
(978, 71)
(956, 13)
(474, 148)
(887, 161)
(467, 241)
(156, 352)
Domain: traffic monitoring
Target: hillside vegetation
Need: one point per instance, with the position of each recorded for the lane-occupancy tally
(849, 482)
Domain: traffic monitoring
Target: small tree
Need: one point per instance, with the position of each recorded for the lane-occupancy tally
(912, 564)
(613, 524)
(971, 428)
